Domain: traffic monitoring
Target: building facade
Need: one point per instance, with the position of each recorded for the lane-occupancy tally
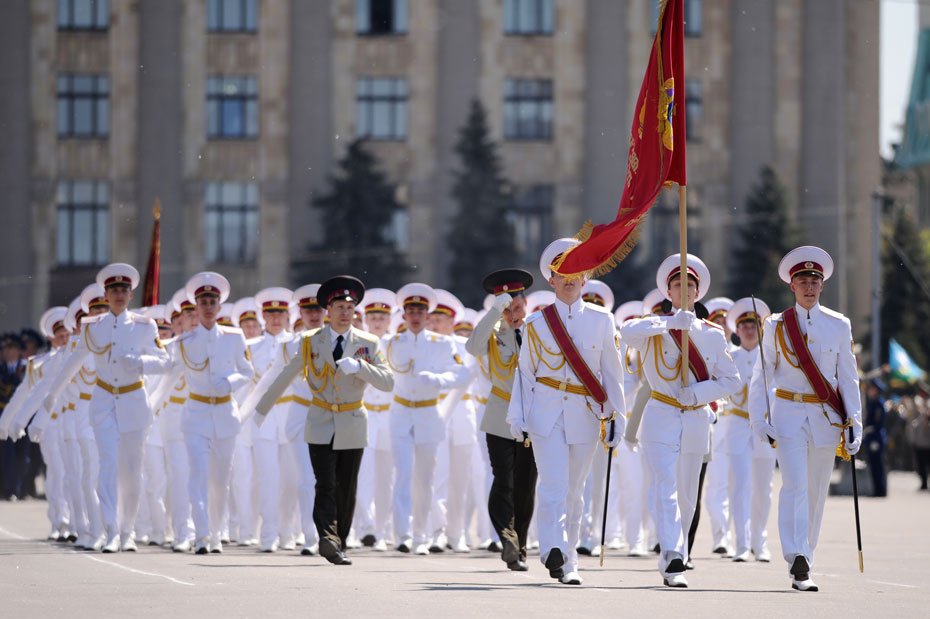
(233, 112)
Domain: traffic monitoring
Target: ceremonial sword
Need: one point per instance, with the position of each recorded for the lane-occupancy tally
(765, 379)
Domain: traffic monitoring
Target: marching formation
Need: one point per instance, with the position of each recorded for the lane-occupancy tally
(321, 419)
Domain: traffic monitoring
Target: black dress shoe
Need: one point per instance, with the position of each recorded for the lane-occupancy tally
(72, 538)
(554, 563)
(404, 548)
(330, 551)
(720, 550)
(518, 566)
(435, 548)
(369, 540)
(495, 547)
(584, 550)
(800, 569)
(675, 566)
(509, 553)
(655, 549)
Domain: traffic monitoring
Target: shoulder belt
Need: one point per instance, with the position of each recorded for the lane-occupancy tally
(818, 383)
(572, 356)
(695, 360)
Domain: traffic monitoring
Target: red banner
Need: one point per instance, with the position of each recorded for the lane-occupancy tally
(656, 157)
(150, 296)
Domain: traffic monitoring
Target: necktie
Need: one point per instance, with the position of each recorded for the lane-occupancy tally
(337, 351)
(516, 333)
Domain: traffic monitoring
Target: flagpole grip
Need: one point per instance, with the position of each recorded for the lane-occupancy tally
(683, 277)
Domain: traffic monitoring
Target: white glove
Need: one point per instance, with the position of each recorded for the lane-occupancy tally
(502, 302)
(613, 442)
(348, 365)
(686, 396)
(221, 386)
(3, 434)
(35, 433)
(517, 428)
(852, 448)
(681, 319)
(763, 431)
(430, 379)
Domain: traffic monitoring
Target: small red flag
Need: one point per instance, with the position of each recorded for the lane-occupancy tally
(656, 157)
(150, 297)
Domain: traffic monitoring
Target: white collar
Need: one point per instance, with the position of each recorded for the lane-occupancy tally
(802, 312)
(565, 308)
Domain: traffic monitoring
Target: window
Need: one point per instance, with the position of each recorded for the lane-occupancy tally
(528, 109)
(83, 223)
(232, 223)
(692, 14)
(232, 107)
(532, 221)
(381, 17)
(83, 105)
(381, 108)
(83, 14)
(529, 17)
(694, 110)
(232, 15)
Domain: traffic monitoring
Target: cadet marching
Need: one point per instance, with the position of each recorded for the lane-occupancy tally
(333, 416)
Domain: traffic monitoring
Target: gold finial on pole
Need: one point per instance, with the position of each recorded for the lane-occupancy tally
(156, 209)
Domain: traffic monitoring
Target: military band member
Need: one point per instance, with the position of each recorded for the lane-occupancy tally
(125, 348)
(752, 461)
(424, 364)
(675, 430)
(809, 362)
(337, 361)
(569, 384)
(498, 337)
(215, 363)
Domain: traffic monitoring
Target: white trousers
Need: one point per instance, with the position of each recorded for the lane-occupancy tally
(716, 497)
(242, 512)
(676, 476)
(438, 509)
(71, 457)
(211, 464)
(631, 490)
(375, 490)
(460, 475)
(178, 469)
(562, 469)
(120, 482)
(303, 488)
(156, 488)
(414, 464)
(90, 472)
(51, 446)
(598, 479)
(805, 480)
(268, 461)
(763, 469)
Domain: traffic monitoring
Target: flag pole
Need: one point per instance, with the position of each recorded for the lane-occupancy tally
(683, 274)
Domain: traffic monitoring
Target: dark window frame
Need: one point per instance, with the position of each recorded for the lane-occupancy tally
(69, 26)
(216, 17)
(393, 31)
(366, 102)
(694, 110)
(97, 96)
(99, 206)
(247, 251)
(534, 202)
(249, 95)
(511, 18)
(516, 97)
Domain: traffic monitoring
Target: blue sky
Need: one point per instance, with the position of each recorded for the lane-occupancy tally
(899, 24)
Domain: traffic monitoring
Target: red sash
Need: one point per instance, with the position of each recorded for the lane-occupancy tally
(695, 361)
(818, 383)
(572, 356)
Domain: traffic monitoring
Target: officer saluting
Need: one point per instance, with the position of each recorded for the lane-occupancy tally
(807, 350)
(513, 490)
(337, 361)
(569, 384)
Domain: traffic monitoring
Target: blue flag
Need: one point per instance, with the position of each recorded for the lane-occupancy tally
(903, 368)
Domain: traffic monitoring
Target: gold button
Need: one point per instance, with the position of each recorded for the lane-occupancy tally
(565, 398)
